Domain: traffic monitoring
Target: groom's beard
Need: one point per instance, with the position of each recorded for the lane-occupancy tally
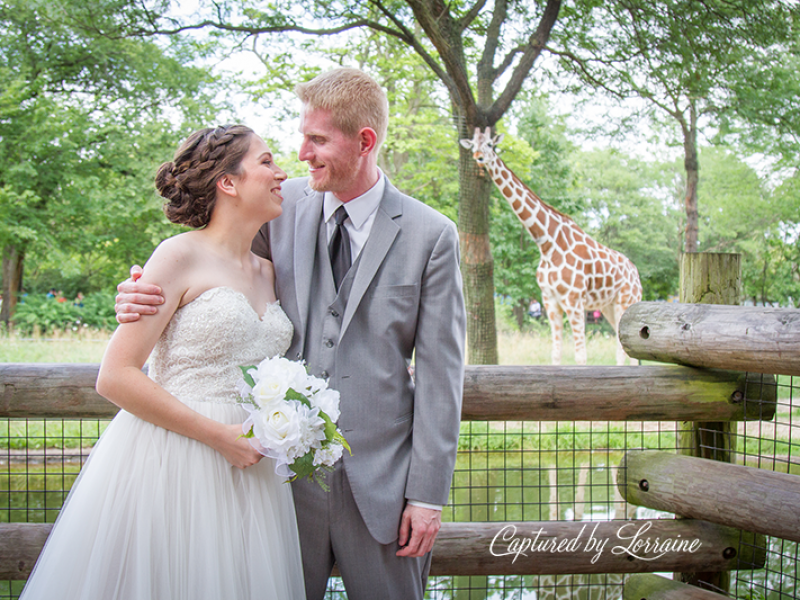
(337, 176)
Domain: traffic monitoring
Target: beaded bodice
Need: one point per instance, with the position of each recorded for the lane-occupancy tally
(200, 351)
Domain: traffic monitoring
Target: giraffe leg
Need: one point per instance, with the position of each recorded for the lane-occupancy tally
(577, 321)
(556, 319)
(612, 313)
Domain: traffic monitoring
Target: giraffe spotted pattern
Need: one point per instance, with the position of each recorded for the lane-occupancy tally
(576, 273)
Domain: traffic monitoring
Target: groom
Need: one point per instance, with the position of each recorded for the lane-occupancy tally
(392, 293)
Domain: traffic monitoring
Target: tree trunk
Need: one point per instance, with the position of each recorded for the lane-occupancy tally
(519, 310)
(692, 166)
(477, 264)
(13, 260)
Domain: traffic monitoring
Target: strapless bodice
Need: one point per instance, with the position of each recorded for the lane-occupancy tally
(200, 351)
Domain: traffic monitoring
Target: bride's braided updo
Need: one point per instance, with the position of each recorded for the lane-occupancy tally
(189, 181)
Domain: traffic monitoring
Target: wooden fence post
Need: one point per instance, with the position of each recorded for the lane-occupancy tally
(709, 278)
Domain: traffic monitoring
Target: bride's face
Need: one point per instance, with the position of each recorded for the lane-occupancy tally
(259, 184)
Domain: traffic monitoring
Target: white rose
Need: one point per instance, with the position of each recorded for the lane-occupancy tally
(277, 428)
(328, 402)
(292, 373)
(269, 389)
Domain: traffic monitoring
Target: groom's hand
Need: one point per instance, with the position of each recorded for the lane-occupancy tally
(418, 529)
(135, 299)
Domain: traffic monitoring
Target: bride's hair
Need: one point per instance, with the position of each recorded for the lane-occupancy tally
(189, 181)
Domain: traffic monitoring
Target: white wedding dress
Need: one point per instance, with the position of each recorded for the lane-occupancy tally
(154, 515)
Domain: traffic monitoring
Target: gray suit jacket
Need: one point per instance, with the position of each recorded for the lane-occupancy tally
(406, 300)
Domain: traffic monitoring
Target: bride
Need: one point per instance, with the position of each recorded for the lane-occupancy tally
(172, 504)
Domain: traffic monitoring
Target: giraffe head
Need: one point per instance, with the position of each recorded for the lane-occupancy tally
(483, 146)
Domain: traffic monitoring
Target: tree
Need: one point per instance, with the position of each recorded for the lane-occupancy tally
(471, 49)
(743, 215)
(483, 55)
(685, 60)
(63, 89)
(765, 116)
(630, 209)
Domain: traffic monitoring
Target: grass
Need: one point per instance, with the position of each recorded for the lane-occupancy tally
(56, 347)
(530, 347)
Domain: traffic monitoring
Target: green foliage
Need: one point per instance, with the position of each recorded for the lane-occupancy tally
(40, 314)
(689, 68)
(559, 436)
(86, 113)
(674, 55)
(630, 210)
(742, 214)
(764, 89)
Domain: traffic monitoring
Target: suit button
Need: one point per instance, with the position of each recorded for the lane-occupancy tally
(334, 313)
(329, 343)
(324, 374)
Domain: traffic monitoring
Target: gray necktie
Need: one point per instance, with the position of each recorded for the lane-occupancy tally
(339, 247)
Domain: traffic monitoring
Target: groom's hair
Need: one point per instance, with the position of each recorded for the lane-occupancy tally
(354, 99)
(189, 181)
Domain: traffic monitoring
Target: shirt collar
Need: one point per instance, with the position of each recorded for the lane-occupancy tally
(358, 209)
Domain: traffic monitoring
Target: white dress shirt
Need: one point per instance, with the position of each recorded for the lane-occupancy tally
(360, 212)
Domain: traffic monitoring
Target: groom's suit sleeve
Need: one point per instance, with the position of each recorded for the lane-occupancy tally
(260, 245)
(438, 372)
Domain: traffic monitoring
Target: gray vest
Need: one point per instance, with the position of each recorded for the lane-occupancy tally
(326, 309)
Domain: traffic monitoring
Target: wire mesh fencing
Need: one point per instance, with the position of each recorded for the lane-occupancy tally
(506, 471)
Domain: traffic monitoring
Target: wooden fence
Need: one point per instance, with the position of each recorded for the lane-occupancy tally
(722, 340)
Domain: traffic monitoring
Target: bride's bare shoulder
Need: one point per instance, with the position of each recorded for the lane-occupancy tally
(179, 247)
(172, 257)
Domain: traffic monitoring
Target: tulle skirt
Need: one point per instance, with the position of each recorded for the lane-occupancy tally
(155, 515)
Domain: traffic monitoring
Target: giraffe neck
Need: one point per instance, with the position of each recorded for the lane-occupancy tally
(540, 219)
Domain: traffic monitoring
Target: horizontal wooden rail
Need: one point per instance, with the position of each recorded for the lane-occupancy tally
(734, 495)
(631, 393)
(635, 393)
(514, 548)
(646, 586)
(739, 338)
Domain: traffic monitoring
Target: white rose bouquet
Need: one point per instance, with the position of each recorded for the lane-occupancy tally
(292, 418)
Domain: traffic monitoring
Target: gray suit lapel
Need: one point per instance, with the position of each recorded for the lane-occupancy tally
(381, 237)
(307, 220)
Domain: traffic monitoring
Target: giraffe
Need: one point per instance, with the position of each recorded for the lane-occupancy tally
(575, 272)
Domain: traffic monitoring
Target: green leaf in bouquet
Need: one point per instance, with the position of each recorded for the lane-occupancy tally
(248, 435)
(338, 437)
(303, 466)
(330, 426)
(248, 379)
(293, 394)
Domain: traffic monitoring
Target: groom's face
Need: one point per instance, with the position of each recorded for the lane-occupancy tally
(332, 156)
